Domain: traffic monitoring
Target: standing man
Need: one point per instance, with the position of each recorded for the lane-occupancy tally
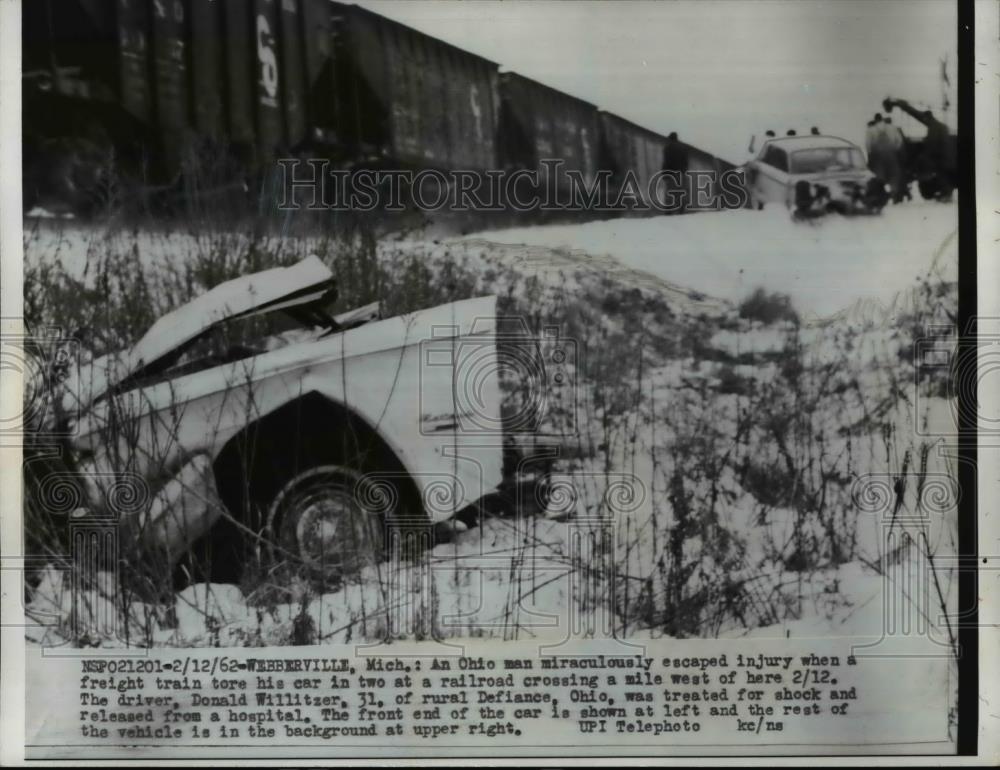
(675, 162)
(894, 147)
(936, 142)
(875, 144)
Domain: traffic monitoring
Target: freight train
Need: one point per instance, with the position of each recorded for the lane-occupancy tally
(161, 96)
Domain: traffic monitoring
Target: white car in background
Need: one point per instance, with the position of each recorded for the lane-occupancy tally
(812, 175)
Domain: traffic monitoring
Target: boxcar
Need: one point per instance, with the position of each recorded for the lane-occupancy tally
(539, 123)
(406, 98)
(223, 87)
(627, 146)
(85, 93)
(152, 79)
(262, 66)
(699, 160)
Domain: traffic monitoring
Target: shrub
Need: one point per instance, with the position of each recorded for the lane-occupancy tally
(732, 383)
(768, 307)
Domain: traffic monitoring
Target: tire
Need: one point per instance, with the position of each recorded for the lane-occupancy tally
(330, 521)
(803, 199)
(931, 187)
(875, 196)
(310, 452)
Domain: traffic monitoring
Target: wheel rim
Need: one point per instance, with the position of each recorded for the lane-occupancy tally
(319, 518)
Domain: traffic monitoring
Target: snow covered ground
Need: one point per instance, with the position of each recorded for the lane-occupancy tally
(672, 280)
(826, 266)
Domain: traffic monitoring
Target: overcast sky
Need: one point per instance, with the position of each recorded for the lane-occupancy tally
(716, 72)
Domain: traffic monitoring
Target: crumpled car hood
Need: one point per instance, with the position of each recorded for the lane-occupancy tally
(268, 290)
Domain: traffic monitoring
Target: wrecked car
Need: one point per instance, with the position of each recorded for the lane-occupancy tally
(812, 175)
(251, 421)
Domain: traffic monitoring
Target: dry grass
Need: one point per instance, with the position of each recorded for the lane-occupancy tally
(715, 444)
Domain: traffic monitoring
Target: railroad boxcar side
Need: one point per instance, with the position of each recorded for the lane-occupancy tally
(407, 98)
(152, 83)
(207, 68)
(277, 74)
(319, 76)
(539, 123)
(86, 97)
(217, 90)
(626, 147)
(170, 79)
(711, 193)
(275, 65)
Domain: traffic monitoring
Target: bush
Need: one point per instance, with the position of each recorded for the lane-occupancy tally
(768, 307)
(731, 383)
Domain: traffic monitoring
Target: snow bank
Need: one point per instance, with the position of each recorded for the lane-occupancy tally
(826, 266)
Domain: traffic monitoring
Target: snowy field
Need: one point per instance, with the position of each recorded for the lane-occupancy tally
(746, 437)
(826, 266)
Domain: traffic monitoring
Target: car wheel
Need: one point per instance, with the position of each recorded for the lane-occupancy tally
(875, 195)
(330, 521)
(803, 201)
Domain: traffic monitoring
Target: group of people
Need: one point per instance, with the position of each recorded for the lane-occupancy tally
(886, 146)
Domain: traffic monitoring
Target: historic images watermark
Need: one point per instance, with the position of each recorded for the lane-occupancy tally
(535, 372)
(314, 185)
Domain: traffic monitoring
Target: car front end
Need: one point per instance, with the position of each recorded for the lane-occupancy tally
(858, 192)
(248, 430)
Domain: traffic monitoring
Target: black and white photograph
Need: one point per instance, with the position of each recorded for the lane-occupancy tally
(441, 379)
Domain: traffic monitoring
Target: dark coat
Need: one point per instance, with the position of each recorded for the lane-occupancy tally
(675, 157)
